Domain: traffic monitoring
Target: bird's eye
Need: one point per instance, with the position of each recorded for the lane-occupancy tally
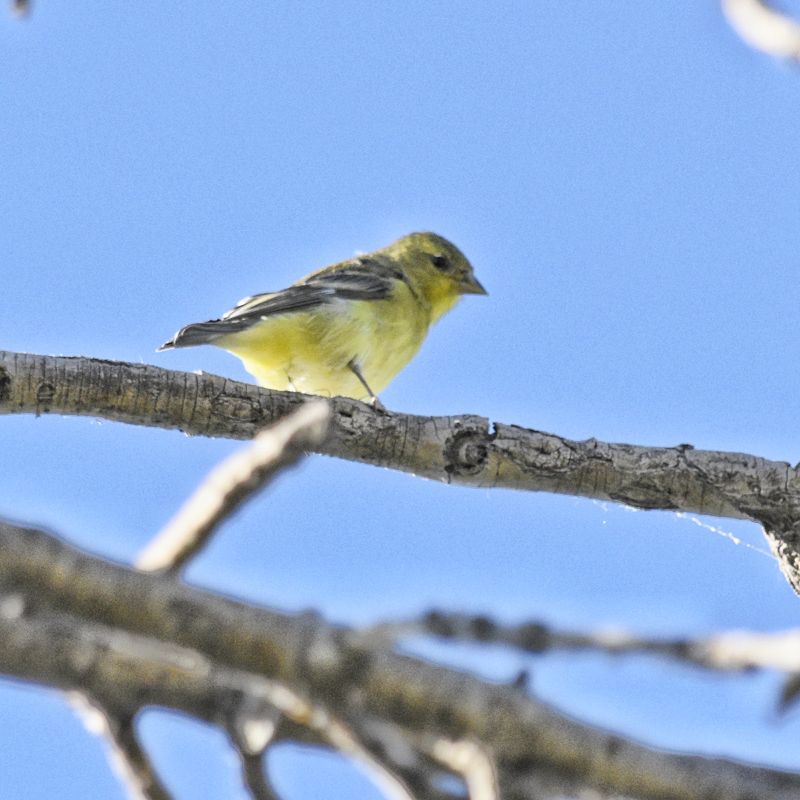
(440, 262)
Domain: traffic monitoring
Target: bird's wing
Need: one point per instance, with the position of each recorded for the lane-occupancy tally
(363, 278)
(358, 279)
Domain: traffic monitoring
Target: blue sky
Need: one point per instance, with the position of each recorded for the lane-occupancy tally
(622, 175)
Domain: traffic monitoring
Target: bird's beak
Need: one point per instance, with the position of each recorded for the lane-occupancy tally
(471, 285)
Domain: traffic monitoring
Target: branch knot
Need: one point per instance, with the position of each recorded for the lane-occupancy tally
(466, 452)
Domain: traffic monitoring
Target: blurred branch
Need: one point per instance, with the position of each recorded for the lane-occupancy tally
(393, 747)
(21, 8)
(463, 449)
(251, 758)
(135, 639)
(254, 776)
(127, 755)
(470, 760)
(131, 671)
(252, 729)
(764, 28)
(735, 651)
(230, 484)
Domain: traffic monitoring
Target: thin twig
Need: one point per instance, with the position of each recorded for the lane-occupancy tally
(396, 748)
(252, 729)
(346, 742)
(729, 651)
(231, 483)
(473, 763)
(21, 8)
(252, 732)
(341, 737)
(255, 778)
(764, 28)
(126, 753)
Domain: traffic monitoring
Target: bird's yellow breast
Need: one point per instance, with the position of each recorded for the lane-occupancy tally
(309, 351)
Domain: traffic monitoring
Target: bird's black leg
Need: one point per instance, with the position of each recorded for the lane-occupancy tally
(373, 398)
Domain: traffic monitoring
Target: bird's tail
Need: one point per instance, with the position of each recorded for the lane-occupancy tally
(197, 333)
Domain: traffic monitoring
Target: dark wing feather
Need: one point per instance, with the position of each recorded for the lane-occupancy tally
(363, 278)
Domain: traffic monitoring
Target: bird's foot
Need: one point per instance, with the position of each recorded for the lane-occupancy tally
(377, 405)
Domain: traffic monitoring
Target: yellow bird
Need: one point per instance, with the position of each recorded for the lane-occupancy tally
(347, 329)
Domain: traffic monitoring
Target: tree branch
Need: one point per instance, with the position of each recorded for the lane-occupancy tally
(469, 759)
(733, 651)
(127, 755)
(462, 449)
(254, 776)
(764, 28)
(21, 8)
(134, 639)
(231, 483)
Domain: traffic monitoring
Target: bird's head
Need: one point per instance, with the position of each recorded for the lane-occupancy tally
(438, 269)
